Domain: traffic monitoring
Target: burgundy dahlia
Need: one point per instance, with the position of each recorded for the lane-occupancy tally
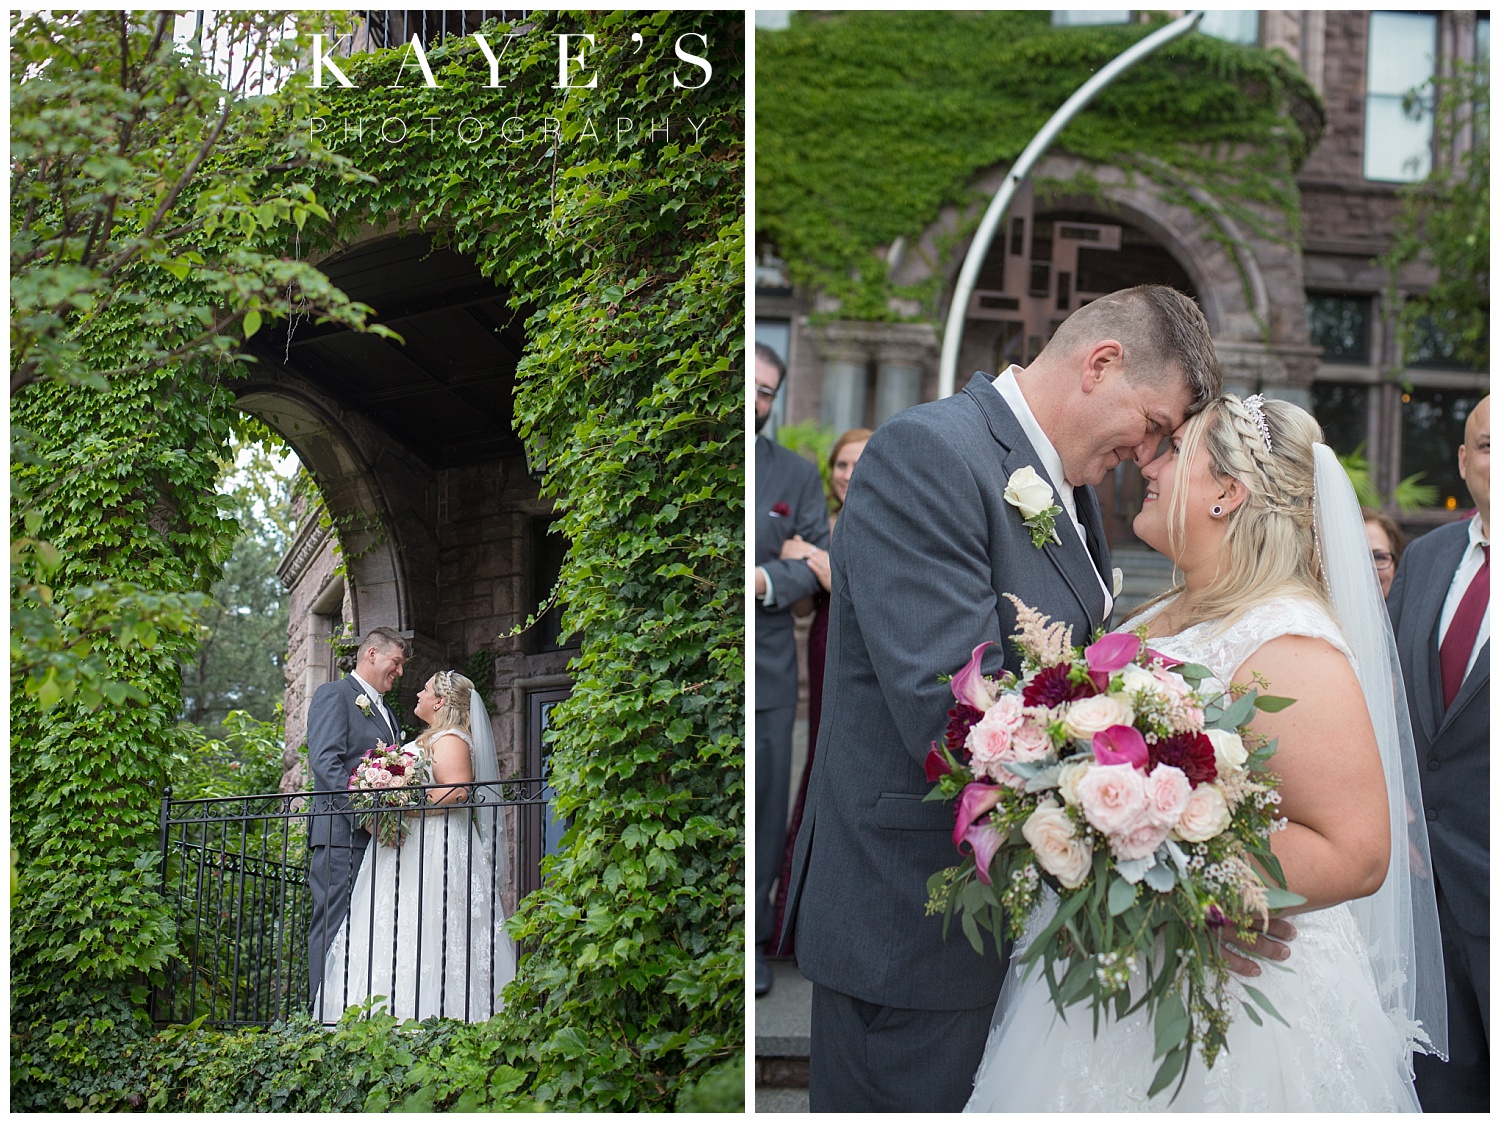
(1191, 752)
(961, 719)
(1053, 687)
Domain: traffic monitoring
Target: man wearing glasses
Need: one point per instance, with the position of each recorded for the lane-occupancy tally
(788, 500)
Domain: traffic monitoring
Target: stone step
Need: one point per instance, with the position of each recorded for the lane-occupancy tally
(783, 1027)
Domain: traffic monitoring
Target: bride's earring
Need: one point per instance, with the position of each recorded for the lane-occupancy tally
(1218, 511)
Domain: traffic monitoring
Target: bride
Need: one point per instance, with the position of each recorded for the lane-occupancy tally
(1261, 522)
(425, 928)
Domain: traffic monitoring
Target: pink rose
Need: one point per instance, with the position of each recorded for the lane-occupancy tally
(989, 739)
(1205, 815)
(1031, 742)
(1167, 792)
(1138, 843)
(1113, 798)
(1027, 742)
(1050, 834)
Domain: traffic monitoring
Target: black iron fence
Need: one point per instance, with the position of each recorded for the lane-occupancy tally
(424, 933)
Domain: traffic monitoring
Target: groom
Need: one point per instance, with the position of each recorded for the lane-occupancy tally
(927, 546)
(344, 720)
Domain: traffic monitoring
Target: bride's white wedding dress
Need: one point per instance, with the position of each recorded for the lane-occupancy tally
(1340, 1051)
(425, 924)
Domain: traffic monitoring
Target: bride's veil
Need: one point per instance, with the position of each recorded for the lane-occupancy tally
(489, 813)
(1399, 921)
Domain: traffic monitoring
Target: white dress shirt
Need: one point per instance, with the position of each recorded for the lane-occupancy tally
(380, 706)
(1010, 390)
(1468, 566)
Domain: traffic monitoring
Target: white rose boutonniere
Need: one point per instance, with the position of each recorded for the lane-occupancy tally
(1028, 493)
(1117, 581)
(363, 702)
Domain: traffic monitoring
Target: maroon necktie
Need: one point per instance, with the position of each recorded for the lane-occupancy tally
(1458, 644)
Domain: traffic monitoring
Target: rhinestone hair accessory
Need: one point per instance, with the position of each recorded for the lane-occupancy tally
(445, 684)
(1253, 404)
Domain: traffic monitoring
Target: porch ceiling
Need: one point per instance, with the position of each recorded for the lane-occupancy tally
(446, 392)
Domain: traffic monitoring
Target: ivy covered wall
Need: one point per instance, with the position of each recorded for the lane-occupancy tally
(868, 124)
(629, 242)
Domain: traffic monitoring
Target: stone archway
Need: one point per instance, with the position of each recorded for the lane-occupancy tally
(444, 531)
(1252, 295)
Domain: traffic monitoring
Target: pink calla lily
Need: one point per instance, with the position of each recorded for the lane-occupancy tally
(1112, 652)
(936, 766)
(1122, 744)
(1166, 660)
(985, 840)
(969, 686)
(974, 802)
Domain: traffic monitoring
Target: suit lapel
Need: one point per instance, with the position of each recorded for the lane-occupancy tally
(377, 711)
(1068, 554)
(1429, 670)
(1477, 681)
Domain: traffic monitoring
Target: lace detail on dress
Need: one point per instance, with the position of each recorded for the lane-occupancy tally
(1224, 650)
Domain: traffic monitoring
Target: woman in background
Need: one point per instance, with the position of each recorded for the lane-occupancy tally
(841, 461)
(1386, 544)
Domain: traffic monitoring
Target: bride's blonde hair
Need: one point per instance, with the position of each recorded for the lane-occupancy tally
(452, 691)
(1269, 544)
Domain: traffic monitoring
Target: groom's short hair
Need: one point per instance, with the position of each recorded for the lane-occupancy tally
(384, 639)
(1163, 332)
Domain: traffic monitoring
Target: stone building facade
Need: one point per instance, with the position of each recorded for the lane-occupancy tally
(1296, 315)
(425, 516)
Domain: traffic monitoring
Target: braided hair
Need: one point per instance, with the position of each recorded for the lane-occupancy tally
(1269, 546)
(452, 691)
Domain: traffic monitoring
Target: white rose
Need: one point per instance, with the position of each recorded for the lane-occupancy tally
(1117, 580)
(1068, 777)
(1050, 834)
(1028, 492)
(1088, 716)
(1229, 751)
(1205, 816)
(1138, 680)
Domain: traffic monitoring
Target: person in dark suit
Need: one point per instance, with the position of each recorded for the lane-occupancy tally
(927, 546)
(788, 501)
(344, 720)
(1439, 606)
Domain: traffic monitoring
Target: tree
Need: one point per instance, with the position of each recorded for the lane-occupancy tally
(240, 662)
(118, 184)
(1445, 222)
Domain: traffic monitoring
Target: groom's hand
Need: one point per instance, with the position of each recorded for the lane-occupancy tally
(1269, 943)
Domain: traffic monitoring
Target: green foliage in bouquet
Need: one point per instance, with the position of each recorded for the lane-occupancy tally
(1155, 912)
(633, 256)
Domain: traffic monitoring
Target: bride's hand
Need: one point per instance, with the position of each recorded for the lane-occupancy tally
(1270, 943)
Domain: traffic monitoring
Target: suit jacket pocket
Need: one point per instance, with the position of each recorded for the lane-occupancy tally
(898, 811)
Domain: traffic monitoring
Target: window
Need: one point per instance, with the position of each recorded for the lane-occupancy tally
(549, 548)
(1343, 410)
(1086, 17)
(1341, 326)
(1436, 344)
(1432, 428)
(1235, 27)
(1403, 47)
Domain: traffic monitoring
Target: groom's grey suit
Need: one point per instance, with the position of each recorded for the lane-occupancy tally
(926, 546)
(1453, 756)
(339, 732)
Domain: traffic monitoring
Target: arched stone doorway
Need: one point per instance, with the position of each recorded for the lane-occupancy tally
(444, 531)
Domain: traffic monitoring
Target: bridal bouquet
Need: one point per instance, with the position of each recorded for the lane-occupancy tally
(386, 777)
(1111, 776)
